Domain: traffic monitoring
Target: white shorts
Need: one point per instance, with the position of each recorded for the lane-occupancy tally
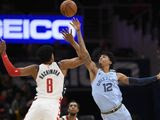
(121, 114)
(44, 109)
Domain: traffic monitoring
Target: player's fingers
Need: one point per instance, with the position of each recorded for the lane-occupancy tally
(63, 30)
(3, 42)
(63, 33)
(72, 24)
(77, 20)
(64, 37)
(67, 30)
(74, 19)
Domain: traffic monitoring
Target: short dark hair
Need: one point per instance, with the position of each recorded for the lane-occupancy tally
(44, 53)
(74, 102)
(98, 52)
(110, 55)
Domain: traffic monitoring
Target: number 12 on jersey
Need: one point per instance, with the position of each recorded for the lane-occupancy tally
(49, 85)
(107, 87)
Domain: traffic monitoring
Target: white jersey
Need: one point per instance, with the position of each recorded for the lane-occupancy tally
(105, 90)
(50, 80)
(66, 118)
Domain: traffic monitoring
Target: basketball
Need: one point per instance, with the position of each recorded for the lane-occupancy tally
(68, 8)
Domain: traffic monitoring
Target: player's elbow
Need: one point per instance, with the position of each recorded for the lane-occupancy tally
(11, 74)
(14, 73)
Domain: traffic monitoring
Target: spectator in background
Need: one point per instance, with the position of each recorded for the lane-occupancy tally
(73, 109)
(4, 106)
(15, 107)
(136, 117)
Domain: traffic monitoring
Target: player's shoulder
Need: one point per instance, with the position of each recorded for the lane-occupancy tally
(112, 70)
(60, 63)
(33, 67)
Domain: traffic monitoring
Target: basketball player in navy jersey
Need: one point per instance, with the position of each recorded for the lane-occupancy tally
(49, 77)
(104, 82)
(73, 109)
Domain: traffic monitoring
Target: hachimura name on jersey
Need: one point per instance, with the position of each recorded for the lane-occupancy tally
(47, 72)
(50, 80)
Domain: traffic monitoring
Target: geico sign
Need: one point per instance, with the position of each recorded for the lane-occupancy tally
(34, 29)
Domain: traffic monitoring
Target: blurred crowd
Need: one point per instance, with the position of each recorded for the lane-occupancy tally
(14, 99)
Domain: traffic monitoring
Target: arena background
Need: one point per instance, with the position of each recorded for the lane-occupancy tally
(128, 28)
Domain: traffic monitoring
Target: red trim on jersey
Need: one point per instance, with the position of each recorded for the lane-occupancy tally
(67, 118)
(60, 100)
(12, 71)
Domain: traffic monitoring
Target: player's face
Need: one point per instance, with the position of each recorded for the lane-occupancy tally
(104, 60)
(73, 108)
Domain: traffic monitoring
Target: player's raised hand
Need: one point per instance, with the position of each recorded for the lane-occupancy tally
(68, 35)
(2, 46)
(76, 24)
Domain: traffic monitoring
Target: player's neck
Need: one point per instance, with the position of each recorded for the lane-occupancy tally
(72, 117)
(105, 69)
(48, 63)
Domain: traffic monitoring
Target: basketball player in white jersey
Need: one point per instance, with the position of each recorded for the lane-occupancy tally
(49, 77)
(104, 82)
(73, 109)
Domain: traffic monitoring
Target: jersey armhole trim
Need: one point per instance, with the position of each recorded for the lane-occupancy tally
(38, 67)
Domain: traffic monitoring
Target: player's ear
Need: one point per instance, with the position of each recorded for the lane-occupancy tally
(68, 110)
(110, 62)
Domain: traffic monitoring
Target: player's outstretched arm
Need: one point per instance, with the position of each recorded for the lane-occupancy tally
(13, 71)
(124, 80)
(69, 64)
(76, 24)
(91, 66)
(74, 62)
(69, 37)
